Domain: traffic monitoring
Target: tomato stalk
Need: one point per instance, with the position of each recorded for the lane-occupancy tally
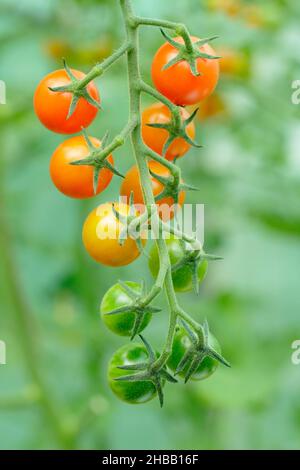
(179, 28)
(99, 69)
(142, 152)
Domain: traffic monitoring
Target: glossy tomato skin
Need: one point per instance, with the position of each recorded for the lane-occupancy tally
(77, 181)
(122, 323)
(131, 183)
(182, 278)
(181, 344)
(130, 392)
(52, 108)
(101, 232)
(156, 138)
(177, 82)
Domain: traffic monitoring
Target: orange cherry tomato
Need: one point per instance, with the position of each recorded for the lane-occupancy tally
(101, 233)
(156, 138)
(52, 108)
(230, 7)
(77, 181)
(131, 183)
(234, 62)
(177, 82)
(213, 107)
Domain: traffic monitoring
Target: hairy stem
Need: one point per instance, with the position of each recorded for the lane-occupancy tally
(163, 99)
(100, 68)
(179, 28)
(118, 141)
(195, 244)
(141, 152)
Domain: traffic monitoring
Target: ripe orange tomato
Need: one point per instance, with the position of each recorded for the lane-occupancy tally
(131, 183)
(52, 108)
(156, 138)
(77, 181)
(177, 82)
(101, 232)
(234, 62)
(214, 106)
(230, 7)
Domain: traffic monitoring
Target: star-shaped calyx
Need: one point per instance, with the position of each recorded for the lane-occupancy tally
(147, 371)
(177, 128)
(189, 55)
(97, 158)
(77, 89)
(198, 351)
(134, 225)
(172, 186)
(192, 259)
(136, 306)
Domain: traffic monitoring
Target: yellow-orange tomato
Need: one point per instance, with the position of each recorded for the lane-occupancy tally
(101, 233)
(131, 184)
(212, 107)
(57, 48)
(156, 138)
(254, 16)
(52, 108)
(178, 82)
(77, 181)
(233, 62)
(231, 7)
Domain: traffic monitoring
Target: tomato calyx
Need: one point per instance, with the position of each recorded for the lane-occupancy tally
(97, 159)
(177, 128)
(134, 225)
(198, 351)
(191, 54)
(148, 371)
(77, 89)
(172, 186)
(137, 306)
(193, 259)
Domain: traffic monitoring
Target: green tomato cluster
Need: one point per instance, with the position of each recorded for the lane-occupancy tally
(119, 315)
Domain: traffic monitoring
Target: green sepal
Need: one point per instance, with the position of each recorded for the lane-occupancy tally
(176, 130)
(146, 372)
(76, 89)
(197, 352)
(189, 56)
(95, 159)
(135, 307)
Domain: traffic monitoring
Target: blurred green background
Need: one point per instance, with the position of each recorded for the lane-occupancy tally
(53, 389)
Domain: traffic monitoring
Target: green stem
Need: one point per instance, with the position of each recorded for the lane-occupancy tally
(179, 28)
(141, 152)
(174, 169)
(163, 99)
(195, 244)
(100, 68)
(118, 141)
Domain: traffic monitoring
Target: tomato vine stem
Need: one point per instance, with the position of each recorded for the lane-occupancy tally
(142, 152)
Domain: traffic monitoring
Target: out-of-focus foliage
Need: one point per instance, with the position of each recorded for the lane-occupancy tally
(249, 175)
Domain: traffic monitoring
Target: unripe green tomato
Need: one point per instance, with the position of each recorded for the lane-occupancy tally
(121, 323)
(182, 277)
(131, 392)
(181, 344)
